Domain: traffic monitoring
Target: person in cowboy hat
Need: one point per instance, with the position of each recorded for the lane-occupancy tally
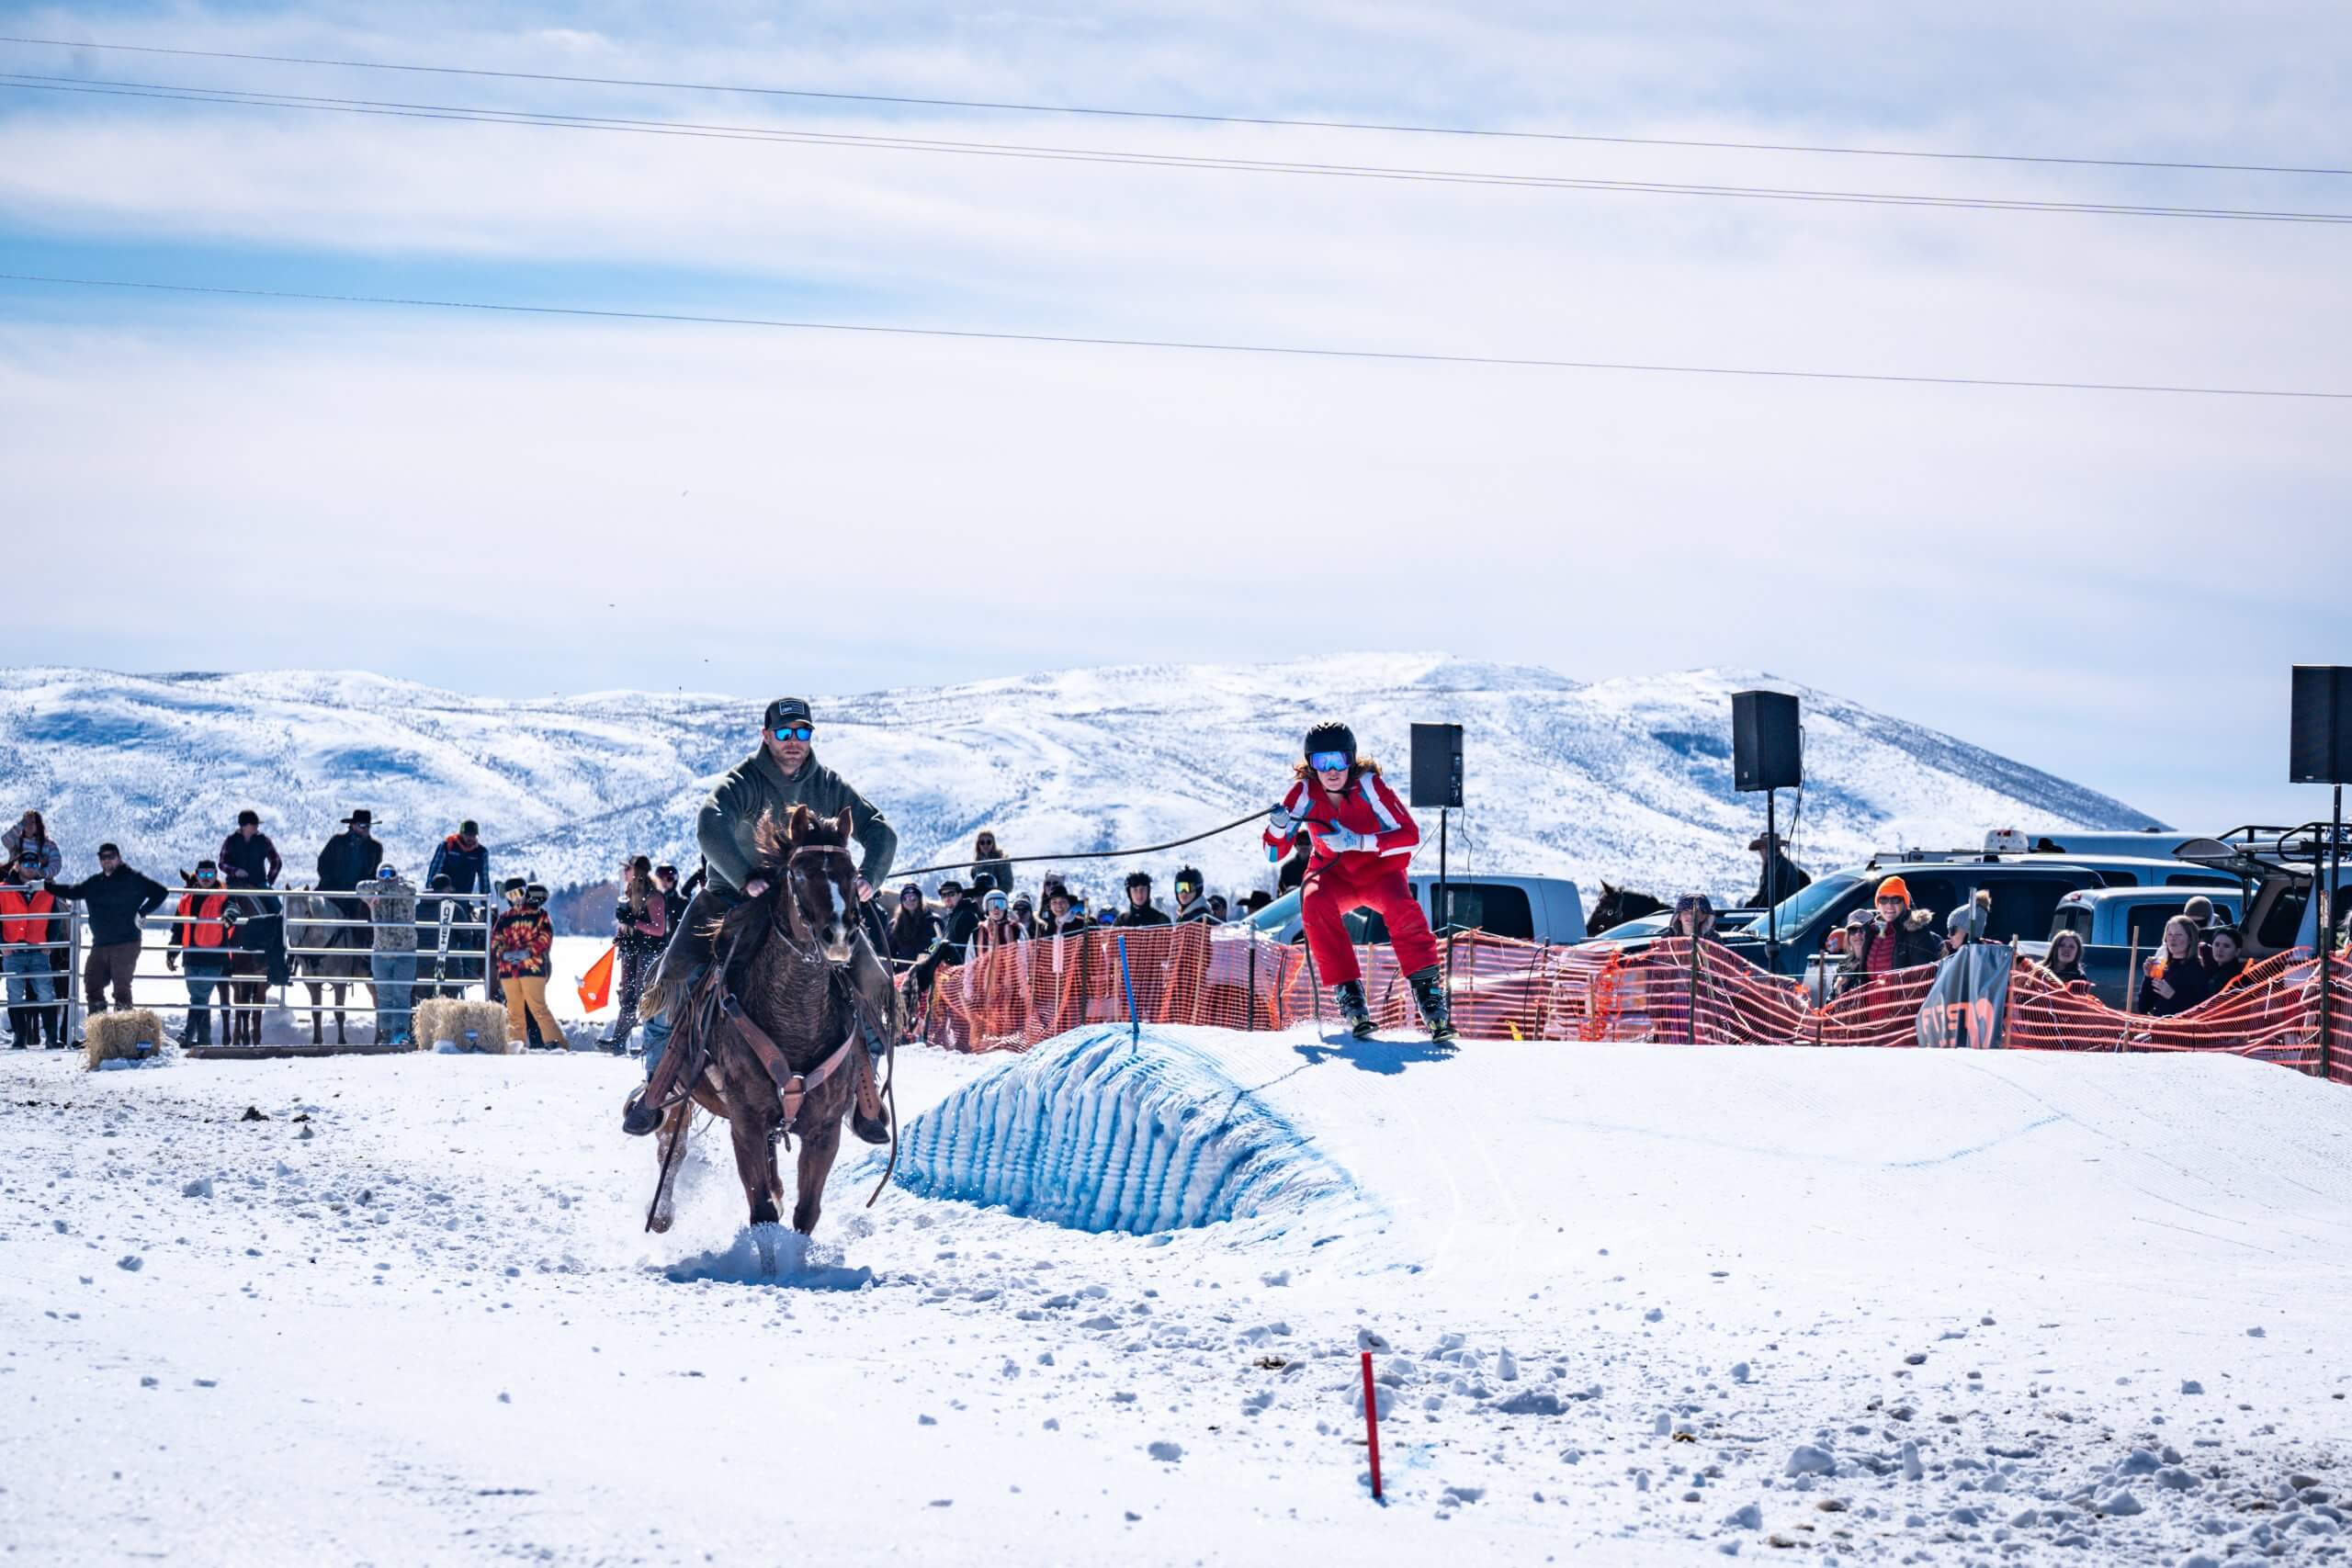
(1782, 876)
(782, 774)
(348, 858)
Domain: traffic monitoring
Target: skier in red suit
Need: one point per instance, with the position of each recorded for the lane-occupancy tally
(1363, 839)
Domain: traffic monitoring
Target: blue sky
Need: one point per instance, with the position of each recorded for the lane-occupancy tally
(2109, 587)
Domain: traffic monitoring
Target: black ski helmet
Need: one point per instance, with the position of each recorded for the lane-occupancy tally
(512, 884)
(1329, 736)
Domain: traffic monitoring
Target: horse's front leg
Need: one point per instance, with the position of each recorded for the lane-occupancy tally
(755, 1159)
(318, 1018)
(818, 1150)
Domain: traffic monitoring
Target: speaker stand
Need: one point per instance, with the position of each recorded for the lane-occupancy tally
(1445, 899)
(1771, 882)
(2327, 940)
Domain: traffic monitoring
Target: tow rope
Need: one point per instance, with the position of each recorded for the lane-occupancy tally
(1087, 855)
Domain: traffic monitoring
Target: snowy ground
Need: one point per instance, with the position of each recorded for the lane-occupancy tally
(1988, 1307)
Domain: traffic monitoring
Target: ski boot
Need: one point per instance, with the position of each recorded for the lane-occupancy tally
(1348, 996)
(1429, 994)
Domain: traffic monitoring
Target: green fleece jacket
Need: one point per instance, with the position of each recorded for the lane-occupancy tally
(728, 824)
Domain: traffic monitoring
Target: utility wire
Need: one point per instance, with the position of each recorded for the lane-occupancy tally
(247, 100)
(1201, 346)
(1198, 118)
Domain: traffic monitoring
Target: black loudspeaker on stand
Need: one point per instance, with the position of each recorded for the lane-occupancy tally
(2319, 750)
(1437, 781)
(1767, 754)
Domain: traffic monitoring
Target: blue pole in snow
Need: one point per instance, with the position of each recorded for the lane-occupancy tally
(1127, 978)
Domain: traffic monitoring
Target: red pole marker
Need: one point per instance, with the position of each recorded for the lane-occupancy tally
(1372, 1425)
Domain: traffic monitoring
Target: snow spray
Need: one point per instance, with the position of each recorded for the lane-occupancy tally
(1372, 1425)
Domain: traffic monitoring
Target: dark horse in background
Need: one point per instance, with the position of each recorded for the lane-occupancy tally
(1616, 905)
(812, 992)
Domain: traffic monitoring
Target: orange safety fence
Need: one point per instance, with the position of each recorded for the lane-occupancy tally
(1014, 996)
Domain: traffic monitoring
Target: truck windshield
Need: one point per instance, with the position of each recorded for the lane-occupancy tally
(1808, 901)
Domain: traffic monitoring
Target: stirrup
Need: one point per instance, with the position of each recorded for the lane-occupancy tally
(638, 1118)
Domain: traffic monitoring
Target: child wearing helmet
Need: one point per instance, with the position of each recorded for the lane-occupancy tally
(1362, 840)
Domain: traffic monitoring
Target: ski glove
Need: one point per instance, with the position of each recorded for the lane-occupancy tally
(1345, 840)
(1281, 823)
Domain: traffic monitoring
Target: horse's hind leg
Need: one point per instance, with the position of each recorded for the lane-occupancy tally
(755, 1159)
(318, 1018)
(342, 1012)
(817, 1153)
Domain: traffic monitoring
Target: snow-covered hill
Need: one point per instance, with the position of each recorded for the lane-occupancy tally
(1627, 779)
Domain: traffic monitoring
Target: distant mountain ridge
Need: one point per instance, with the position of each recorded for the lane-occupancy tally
(1628, 779)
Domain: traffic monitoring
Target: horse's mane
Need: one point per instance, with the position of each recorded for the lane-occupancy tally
(773, 843)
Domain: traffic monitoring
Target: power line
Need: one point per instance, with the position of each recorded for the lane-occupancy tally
(1198, 118)
(1191, 345)
(244, 99)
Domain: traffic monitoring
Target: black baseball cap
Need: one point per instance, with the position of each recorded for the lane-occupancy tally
(106, 849)
(789, 710)
(470, 826)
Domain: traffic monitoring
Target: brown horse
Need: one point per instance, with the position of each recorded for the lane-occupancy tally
(807, 973)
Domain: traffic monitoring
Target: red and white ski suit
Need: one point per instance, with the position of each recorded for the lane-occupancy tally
(1374, 878)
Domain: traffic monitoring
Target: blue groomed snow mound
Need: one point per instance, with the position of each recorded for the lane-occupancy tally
(1100, 1131)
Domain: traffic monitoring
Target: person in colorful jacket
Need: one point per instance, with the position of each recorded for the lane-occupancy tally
(521, 943)
(1363, 839)
(204, 938)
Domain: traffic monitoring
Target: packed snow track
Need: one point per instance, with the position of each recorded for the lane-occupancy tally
(1645, 1304)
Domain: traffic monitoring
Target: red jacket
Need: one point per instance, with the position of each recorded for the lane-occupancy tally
(198, 923)
(1369, 807)
(16, 909)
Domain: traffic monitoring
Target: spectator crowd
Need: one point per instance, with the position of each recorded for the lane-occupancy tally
(440, 934)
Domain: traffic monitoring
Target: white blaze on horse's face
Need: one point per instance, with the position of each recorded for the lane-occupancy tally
(819, 899)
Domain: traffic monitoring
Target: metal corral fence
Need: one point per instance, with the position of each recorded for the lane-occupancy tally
(283, 941)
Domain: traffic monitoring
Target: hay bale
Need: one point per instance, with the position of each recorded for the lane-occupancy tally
(444, 1019)
(116, 1036)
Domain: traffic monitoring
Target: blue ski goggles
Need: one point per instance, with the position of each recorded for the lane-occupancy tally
(1324, 761)
(795, 732)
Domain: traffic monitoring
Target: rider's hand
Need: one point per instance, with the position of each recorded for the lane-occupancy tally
(1281, 823)
(755, 888)
(864, 891)
(1343, 840)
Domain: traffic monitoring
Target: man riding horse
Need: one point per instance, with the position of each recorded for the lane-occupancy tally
(783, 773)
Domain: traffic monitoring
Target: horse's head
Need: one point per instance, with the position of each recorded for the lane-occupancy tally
(814, 883)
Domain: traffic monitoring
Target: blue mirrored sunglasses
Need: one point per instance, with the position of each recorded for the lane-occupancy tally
(795, 732)
(1324, 761)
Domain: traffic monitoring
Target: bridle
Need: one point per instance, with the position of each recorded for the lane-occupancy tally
(787, 917)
